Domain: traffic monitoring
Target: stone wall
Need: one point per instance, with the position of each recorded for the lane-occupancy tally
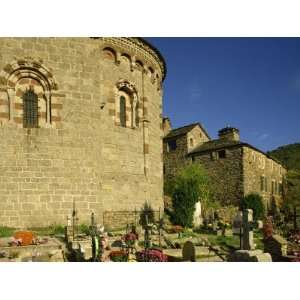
(226, 174)
(79, 153)
(174, 160)
(256, 166)
(120, 219)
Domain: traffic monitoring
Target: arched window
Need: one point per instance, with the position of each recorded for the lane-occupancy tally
(30, 109)
(127, 114)
(122, 111)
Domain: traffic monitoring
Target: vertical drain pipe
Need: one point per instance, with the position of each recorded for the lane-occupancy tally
(144, 120)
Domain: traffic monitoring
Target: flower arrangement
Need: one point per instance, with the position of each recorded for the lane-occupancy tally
(295, 238)
(151, 255)
(130, 238)
(118, 256)
(23, 238)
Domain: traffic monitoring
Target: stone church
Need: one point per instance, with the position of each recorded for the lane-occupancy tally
(236, 168)
(80, 124)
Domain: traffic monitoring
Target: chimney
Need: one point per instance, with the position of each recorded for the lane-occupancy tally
(167, 127)
(229, 134)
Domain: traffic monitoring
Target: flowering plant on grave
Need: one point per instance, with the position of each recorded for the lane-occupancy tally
(130, 238)
(295, 238)
(268, 229)
(24, 238)
(151, 255)
(118, 256)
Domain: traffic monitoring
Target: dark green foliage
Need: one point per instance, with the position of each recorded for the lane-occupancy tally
(184, 205)
(292, 193)
(147, 214)
(254, 201)
(288, 155)
(189, 186)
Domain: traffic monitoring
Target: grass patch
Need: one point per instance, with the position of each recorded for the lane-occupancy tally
(187, 234)
(229, 242)
(57, 230)
(49, 230)
(6, 231)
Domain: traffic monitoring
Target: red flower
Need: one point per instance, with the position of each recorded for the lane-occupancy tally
(151, 255)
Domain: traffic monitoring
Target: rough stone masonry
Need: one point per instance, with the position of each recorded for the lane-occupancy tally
(80, 122)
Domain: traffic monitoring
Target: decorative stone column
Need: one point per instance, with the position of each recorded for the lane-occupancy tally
(48, 107)
(11, 98)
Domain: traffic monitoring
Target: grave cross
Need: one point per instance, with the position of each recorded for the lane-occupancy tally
(247, 226)
(147, 236)
(75, 220)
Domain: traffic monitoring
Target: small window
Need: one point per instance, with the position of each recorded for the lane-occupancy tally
(273, 187)
(221, 154)
(191, 142)
(172, 145)
(200, 135)
(266, 185)
(30, 109)
(280, 188)
(122, 111)
(276, 188)
(262, 183)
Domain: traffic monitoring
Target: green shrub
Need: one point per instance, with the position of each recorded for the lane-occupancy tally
(255, 202)
(189, 186)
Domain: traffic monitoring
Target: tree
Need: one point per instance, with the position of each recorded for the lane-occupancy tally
(292, 188)
(292, 194)
(191, 185)
(255, 202)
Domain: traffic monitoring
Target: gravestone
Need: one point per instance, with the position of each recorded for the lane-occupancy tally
(259, 224)
(250, 256)
(188, 251)
(197, 221)
(247, 235)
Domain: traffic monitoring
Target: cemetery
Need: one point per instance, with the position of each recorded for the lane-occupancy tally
(152, 238)
(195, 229)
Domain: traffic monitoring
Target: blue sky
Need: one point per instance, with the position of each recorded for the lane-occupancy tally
(249, 83)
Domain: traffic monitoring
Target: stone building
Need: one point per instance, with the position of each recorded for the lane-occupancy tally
(235, 167)
(80, 123)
